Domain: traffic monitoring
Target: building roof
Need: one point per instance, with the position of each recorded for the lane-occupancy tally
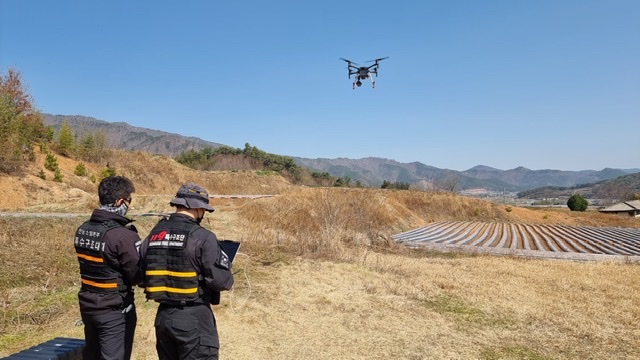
(633, 205)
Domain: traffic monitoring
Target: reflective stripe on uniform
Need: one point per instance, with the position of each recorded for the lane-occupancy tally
(171, 273)
(172, 290)
(91, 258)
(100, 285)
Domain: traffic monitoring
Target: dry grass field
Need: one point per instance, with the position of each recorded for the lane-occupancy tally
(318, 275)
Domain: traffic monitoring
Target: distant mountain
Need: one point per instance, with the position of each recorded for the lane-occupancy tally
(124, 136)
(370, 171)
(620, 188)
(523, 178)
(373, 171)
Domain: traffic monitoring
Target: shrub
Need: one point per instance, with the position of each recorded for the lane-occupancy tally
(92, 146)
(66, 140)
(57, 176)
(49, 133)
(42, 175)
(264, 172)
(577, 203)
(395, 185)
(51, 163)
(80, 170)
(108, 171)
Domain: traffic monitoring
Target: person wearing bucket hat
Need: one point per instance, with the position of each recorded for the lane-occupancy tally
(184, 270)
(192, 196)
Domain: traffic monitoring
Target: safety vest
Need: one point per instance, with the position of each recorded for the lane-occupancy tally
(95, 274)
(169, 275)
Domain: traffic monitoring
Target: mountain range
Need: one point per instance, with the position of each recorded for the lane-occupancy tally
(370, 171)
(121, 135)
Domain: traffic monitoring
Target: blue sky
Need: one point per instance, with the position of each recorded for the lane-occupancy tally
(540, 84)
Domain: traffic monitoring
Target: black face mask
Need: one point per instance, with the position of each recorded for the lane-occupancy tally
(199, 219)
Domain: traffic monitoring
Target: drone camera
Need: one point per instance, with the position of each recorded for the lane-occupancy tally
(359, 83)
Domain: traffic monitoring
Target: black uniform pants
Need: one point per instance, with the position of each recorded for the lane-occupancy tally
(186, 333)
(109, 336)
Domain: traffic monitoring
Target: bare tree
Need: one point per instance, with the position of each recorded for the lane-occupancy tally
(449, 183)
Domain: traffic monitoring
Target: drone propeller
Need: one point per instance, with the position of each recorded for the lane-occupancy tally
(348, 61)
(378, 59)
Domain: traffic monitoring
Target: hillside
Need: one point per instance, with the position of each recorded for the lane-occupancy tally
(156, 177)
(370, 171)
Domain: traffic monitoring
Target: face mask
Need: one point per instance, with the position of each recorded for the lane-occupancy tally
(199, 219)
(120, 210)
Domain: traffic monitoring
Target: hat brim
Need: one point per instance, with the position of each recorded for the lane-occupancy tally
(191, 204)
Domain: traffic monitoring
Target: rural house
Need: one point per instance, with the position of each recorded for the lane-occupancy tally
(631, 208)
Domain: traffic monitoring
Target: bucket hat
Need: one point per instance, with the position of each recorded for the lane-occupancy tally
(192, 196)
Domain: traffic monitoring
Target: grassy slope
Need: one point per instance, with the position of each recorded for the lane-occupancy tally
(318, 278)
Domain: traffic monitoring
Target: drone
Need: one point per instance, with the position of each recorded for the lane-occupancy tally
(363, 72)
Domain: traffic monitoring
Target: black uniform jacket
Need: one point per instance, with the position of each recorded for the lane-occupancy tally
(204, 253)
(121, 254)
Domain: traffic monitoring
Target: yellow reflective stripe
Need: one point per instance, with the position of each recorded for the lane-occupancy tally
(172, 290)
(171, 273)
(100, 285)
(90, 258)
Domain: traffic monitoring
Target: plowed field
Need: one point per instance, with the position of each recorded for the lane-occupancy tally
(546, 241)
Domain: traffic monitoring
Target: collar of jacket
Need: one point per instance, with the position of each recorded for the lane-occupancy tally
(182, 217)
(103, 215)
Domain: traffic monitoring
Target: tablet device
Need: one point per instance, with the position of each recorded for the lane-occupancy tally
(230, 248)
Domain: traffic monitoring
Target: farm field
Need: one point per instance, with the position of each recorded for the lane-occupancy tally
(544, 241)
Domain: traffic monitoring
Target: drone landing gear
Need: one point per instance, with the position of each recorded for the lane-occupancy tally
(358, 83)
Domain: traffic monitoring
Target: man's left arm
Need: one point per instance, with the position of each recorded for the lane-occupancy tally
(216, 269)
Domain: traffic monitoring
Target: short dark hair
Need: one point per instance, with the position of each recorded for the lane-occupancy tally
(113, 188)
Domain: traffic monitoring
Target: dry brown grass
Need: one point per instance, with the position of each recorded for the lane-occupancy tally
(391, 306)
(318, 222)
(319, 278)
